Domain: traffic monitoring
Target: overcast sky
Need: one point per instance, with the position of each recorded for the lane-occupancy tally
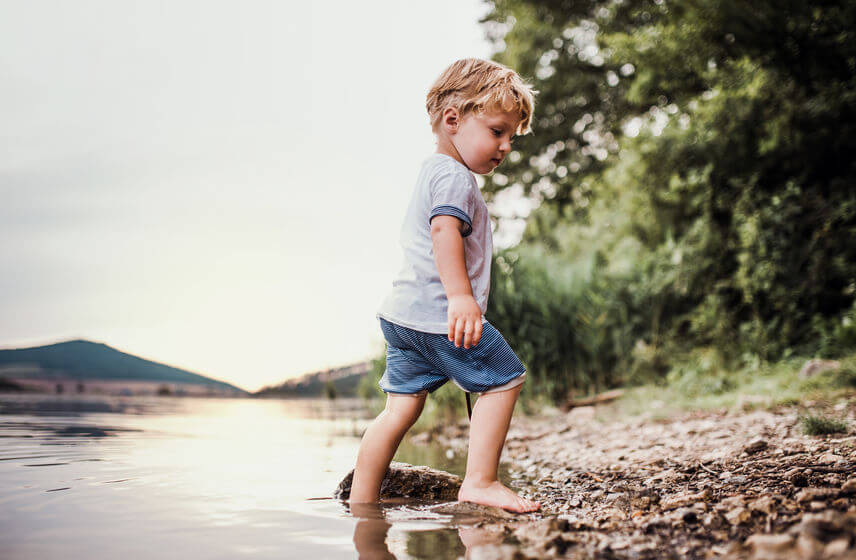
(214, 185)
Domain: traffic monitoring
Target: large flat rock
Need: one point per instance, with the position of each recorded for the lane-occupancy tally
(403, 480)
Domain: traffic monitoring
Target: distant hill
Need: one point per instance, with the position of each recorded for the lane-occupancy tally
(344, 381)
(82, 363)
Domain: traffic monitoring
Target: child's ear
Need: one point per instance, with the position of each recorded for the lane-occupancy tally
(451, 120)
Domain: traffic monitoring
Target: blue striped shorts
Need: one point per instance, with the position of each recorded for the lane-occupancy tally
(419, 362)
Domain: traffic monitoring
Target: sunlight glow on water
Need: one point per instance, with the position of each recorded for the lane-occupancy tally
(220, 476)
(140, 477)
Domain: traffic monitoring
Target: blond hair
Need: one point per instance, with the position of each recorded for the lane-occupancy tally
(476, 85)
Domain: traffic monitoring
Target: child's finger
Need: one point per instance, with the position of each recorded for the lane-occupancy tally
(468, 334)
(459, 331)
(478, 332)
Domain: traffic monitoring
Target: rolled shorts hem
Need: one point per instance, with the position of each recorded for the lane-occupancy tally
(416, 394)
(497, 389)
(506, 386)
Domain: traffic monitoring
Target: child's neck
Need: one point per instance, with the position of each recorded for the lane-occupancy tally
(445, 146)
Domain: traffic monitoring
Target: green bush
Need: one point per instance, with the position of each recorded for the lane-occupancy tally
(840, 378)
(724, 221)
(704, 373)
(819, 425)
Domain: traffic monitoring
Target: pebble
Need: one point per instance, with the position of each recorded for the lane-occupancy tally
(712, 520)
(811, 494)
(763, 504)
(837, 546)
(732, 501)
(685, 499)
(830, 458)
(621, 479)
(737, 479)
(738, 515)
(793, 472)
(756, 446)
(770, 547)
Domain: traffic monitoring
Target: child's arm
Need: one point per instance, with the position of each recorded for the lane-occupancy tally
(464, 313)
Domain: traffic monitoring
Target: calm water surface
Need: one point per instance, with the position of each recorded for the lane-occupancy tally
(162, 477)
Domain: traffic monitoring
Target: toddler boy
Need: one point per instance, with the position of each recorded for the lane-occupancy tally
(433, 319)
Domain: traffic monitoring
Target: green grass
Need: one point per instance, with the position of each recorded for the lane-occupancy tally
(703, 384)
(819, 425)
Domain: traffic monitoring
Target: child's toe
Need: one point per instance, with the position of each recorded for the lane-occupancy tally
(526, 505)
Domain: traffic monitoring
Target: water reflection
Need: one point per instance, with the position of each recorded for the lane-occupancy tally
(201, 478)
(442, 539)
(370, 531)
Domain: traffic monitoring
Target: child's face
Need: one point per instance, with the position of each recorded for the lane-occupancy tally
(484, 139)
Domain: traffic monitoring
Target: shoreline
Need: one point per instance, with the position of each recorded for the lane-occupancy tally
(699, 484)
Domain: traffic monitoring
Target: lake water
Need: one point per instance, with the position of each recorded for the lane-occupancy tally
(101, 477)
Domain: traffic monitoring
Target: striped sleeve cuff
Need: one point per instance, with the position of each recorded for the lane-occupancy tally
(447, 210)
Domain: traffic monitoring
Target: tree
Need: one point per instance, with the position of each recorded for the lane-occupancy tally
(330, 389)
(693, 165)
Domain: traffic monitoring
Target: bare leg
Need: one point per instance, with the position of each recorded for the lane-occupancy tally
(488, 428)
(380, 443)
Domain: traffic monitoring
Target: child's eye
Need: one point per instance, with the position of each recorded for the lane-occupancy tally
(497, 132)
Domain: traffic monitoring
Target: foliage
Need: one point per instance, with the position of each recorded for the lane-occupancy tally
(819, 425)
(368, 388)
(692, 163)
(837, 378)
(329, 389)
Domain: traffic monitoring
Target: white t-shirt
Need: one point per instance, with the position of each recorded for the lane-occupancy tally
(418, 300)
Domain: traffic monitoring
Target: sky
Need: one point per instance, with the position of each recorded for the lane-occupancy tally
(215, 185)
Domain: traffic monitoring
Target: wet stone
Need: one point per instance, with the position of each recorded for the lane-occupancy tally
(408, 481)
(478, 512)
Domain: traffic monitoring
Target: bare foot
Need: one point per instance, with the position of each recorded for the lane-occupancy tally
(495, 494)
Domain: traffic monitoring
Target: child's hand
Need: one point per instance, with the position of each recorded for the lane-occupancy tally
(465, 325)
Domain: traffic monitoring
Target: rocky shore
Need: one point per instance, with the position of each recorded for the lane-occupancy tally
(707, 484)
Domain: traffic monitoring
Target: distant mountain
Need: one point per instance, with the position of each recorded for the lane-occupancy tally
(343, 381)
(82, 362)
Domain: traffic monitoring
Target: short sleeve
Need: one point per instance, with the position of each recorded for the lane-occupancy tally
(451, 195)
